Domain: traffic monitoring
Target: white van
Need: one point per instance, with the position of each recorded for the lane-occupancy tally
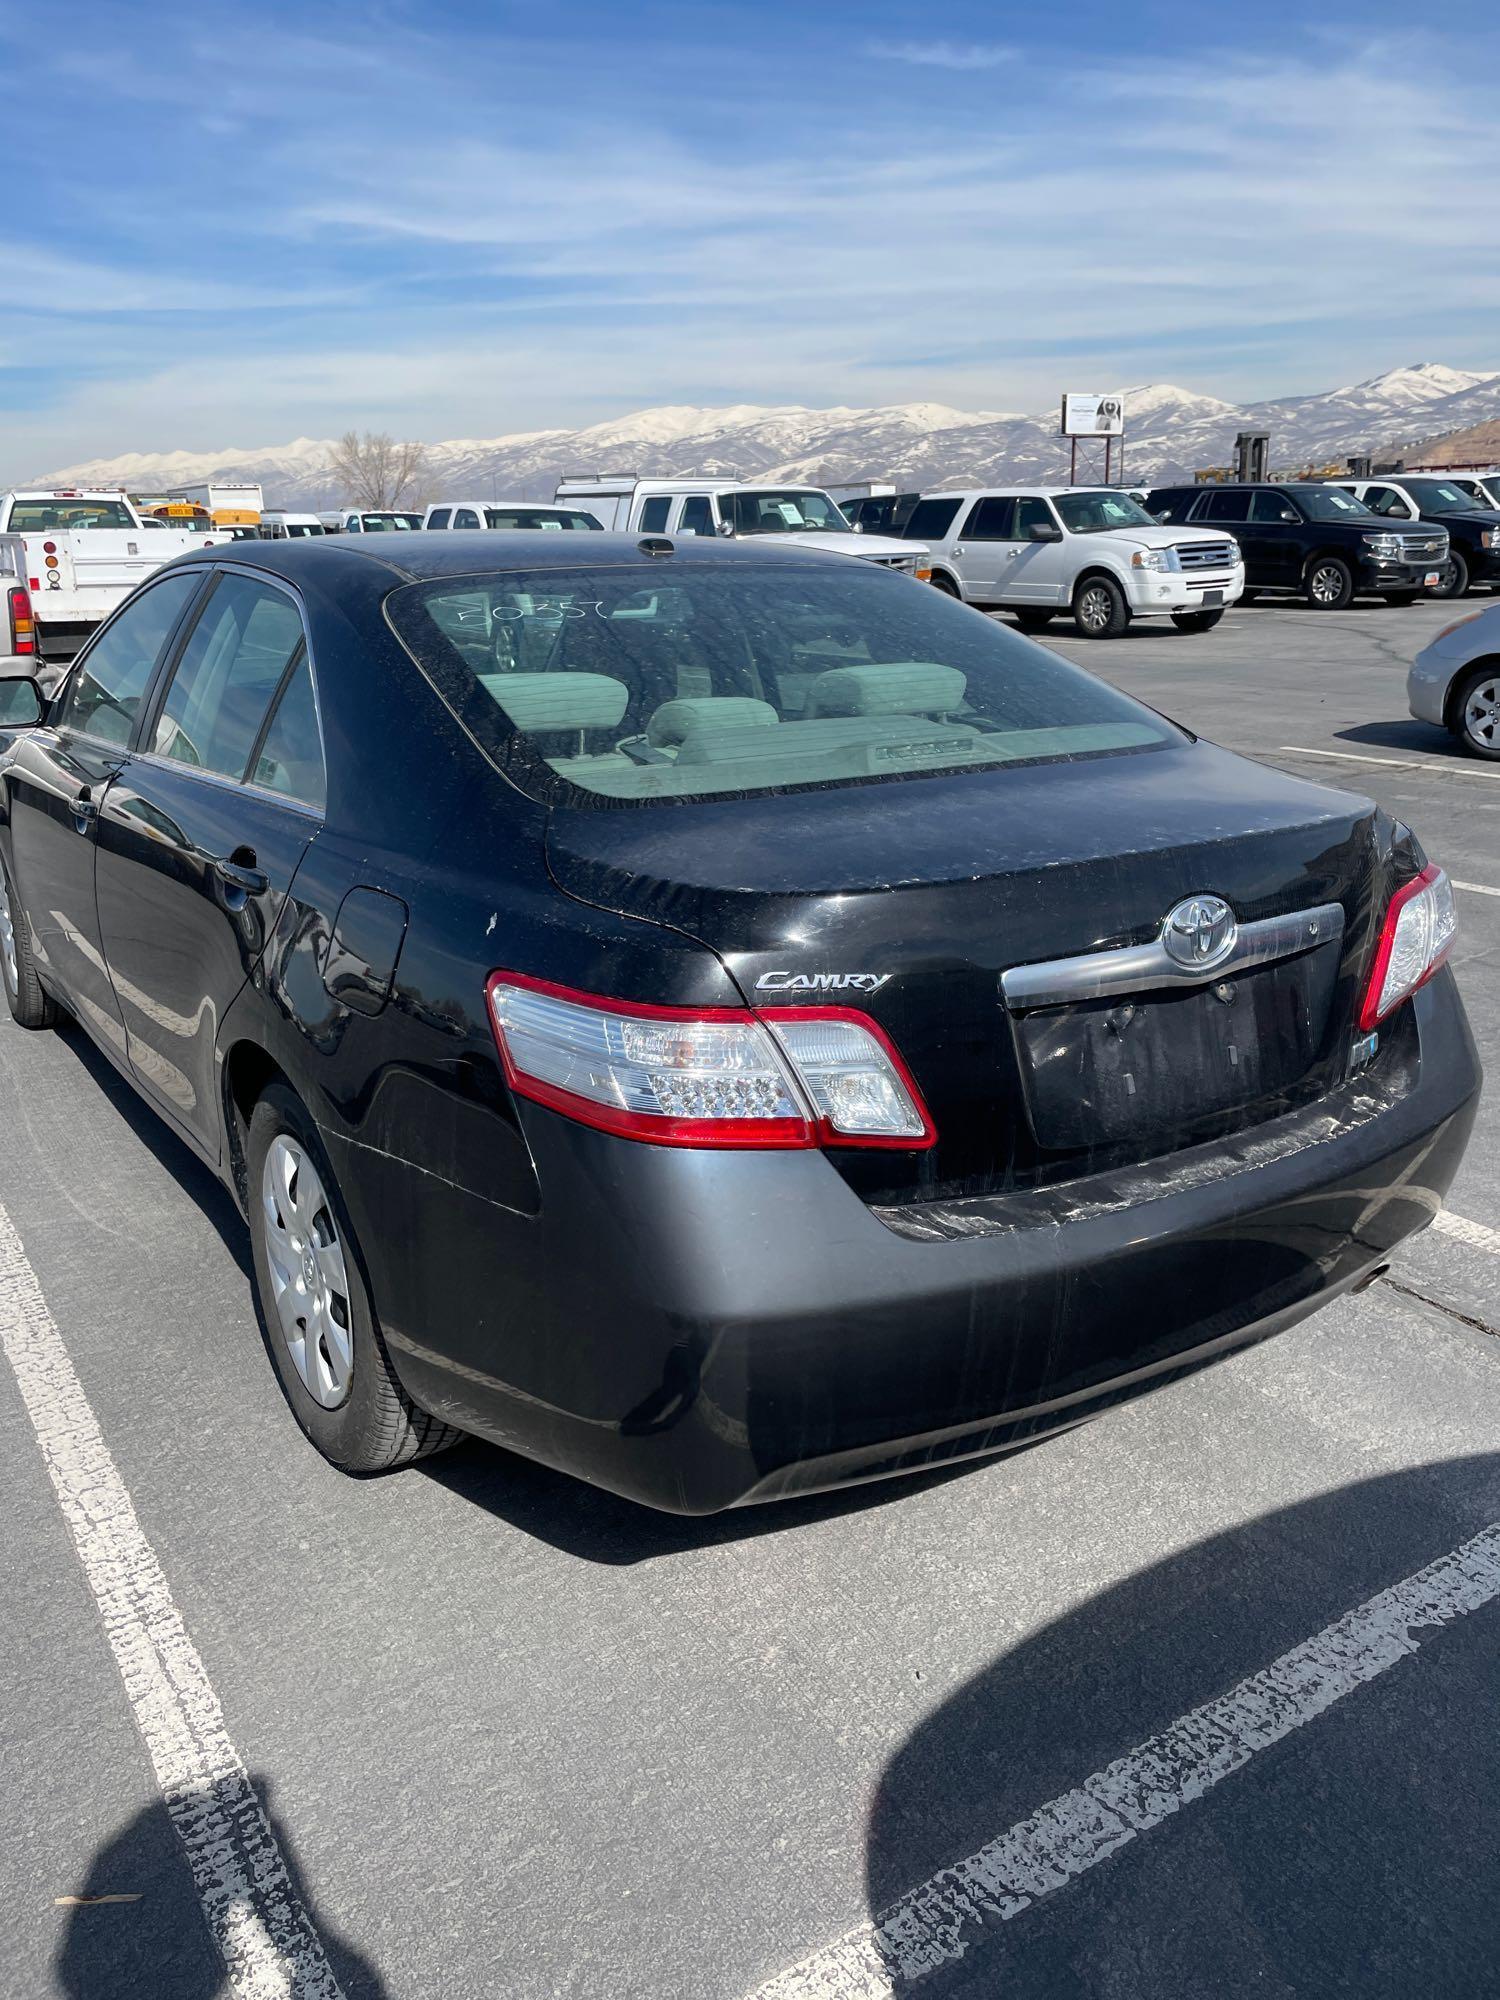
(736, 507)
(504, 515)
(290, 527)
(370, 521)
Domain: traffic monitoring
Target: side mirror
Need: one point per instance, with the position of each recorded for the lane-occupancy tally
(22, 703)
(726, 529)
(1044, 531)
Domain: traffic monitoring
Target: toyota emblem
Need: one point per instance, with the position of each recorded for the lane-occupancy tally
(1200, 933)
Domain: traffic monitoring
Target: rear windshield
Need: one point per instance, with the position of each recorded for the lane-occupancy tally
(537, 517)
(34, 517)
(603, 684)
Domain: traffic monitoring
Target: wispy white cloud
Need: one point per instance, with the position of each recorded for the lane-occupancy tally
(944, 55)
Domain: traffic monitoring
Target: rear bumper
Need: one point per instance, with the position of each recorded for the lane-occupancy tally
(698, 1330)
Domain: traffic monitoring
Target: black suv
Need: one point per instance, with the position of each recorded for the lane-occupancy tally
(1315, 540)
(1472, 527)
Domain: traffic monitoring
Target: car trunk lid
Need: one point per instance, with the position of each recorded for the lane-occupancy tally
(913, 899)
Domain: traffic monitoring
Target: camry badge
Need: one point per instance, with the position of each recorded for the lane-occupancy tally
(1200, 933)
(821, 982)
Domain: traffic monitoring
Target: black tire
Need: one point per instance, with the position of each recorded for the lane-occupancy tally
(376, 1426)
(1479, 735)
(1402, 596)
(1329, 583)
(944, 583)
(1033, 621)
(1196, 621)
(1453, 577)
(31, 1006)
(1099, 608)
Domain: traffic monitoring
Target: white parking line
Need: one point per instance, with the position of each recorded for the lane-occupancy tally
(1454, 768)
(1477, 888)
(257, 1920)
(1475, 1234)
(945, 1917)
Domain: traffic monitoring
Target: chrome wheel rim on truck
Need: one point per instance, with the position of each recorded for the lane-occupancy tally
(1095, 608)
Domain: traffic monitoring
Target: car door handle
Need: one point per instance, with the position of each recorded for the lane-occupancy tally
(85, 812)
(241, 874)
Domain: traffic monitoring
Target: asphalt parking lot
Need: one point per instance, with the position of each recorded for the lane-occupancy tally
(1197, 1700)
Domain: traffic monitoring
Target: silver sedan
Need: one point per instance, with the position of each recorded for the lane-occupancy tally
(1455, 682)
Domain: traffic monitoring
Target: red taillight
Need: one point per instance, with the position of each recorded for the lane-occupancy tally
(1415, 939)
(714, 1076)
(49, 548)
(22, 623)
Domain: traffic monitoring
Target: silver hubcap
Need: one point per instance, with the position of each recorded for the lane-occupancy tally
(309, 1283)
(1448, 577)
(8, 938)
(1327, 586)
(1096, 609)
(1482, 714)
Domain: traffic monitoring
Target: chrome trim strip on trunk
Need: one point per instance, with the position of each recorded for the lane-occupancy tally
(1136, 968)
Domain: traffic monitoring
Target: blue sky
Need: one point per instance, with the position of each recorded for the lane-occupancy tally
(240, 224)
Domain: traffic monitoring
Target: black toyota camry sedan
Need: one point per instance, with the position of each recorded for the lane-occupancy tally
(724, 1020)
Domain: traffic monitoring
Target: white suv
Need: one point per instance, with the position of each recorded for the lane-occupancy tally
(1039, 550)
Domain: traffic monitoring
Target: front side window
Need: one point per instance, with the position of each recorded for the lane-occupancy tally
(290, 760)
(1268, 507)
(1386, 500)
(1032, 511)
(227, 677)
(1098, 513)
(617, 685)
(37, 517)
(465, 517)
(931, 520)
(697, 515)
(440, 517)
(104, 696)
(991, 521)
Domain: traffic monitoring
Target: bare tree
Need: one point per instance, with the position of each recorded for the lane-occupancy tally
(373, 470)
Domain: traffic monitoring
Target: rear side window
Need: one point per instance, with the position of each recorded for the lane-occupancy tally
(290, 760)
(990, 521)
(227, 677)
(625, 686)
(654, 513)
(1224, 507)
(931, 520)
(104, 696)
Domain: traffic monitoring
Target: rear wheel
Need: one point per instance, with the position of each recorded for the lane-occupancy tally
(1033, 621)
(1330, 584)
(319, 1325)
(1099, 608)
(944, 583)
(1196, 621)
(30, 1006)
(1402, 596)
(1453, 577)
(1476, 714)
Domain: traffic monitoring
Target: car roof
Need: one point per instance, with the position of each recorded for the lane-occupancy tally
(420, 557)
(1023, 489)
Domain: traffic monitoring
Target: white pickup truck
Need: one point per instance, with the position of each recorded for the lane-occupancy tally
(736, 507)
(83, 553)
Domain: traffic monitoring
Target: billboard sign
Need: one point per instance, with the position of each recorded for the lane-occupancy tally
(1093, 416)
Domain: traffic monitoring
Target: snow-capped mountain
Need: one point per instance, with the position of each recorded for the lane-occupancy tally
(1171, 432)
